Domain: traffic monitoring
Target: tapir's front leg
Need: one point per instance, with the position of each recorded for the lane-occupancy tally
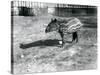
(62, 41)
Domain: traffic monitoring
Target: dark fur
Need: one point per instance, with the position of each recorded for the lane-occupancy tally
(60, 27)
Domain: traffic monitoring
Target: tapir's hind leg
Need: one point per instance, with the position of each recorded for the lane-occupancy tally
(74, 37)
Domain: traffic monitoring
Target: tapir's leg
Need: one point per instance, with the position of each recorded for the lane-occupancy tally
(62, 36)
(74, 37)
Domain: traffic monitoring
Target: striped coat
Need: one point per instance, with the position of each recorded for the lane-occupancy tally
(71, 26)
(65, 26)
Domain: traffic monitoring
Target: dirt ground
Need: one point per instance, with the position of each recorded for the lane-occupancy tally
(37, 51)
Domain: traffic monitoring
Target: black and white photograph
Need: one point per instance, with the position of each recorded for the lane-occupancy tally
(53, 37)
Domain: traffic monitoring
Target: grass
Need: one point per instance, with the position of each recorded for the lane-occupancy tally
(36, 51)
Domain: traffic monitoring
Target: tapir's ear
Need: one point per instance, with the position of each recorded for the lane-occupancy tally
(53, 19)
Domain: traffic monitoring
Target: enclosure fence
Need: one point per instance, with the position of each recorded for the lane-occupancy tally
(29, 8)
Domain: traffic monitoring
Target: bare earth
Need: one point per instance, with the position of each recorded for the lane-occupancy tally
(41, 51)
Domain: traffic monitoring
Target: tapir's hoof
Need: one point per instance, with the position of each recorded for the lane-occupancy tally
(22, 46)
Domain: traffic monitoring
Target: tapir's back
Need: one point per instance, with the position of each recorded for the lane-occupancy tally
(71, 25)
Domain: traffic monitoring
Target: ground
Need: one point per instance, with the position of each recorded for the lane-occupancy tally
(37, 51)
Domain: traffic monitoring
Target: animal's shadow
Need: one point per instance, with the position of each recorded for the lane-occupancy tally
(41, 43)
